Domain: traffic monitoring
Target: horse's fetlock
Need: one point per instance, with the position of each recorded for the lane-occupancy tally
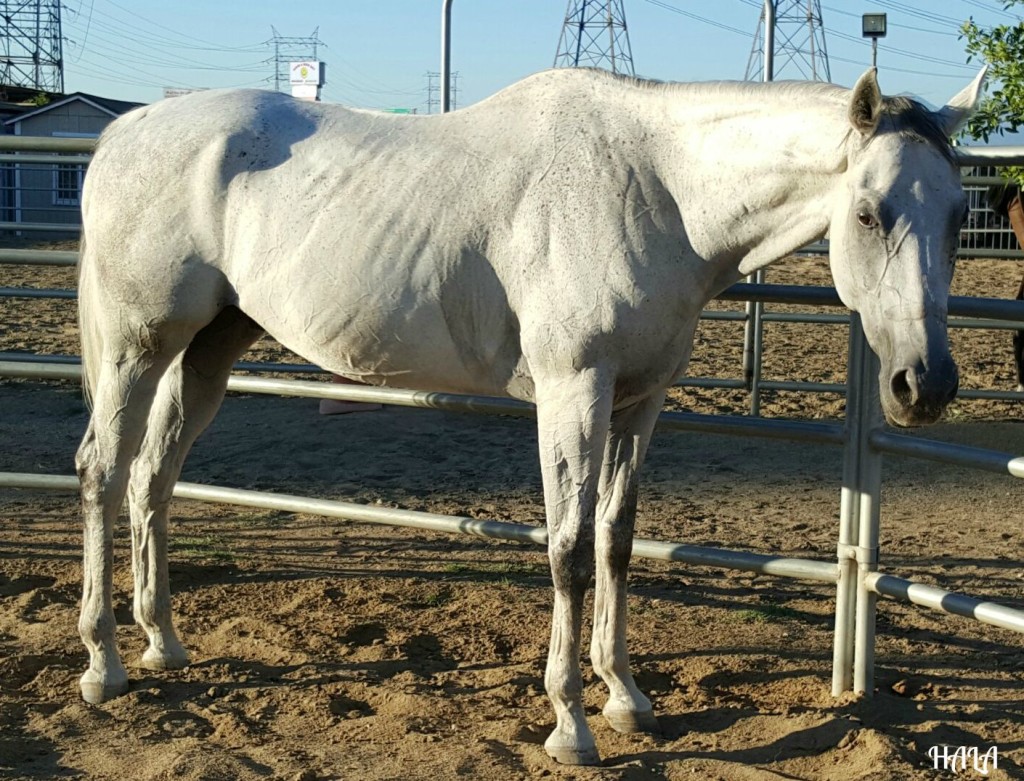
(144, 611)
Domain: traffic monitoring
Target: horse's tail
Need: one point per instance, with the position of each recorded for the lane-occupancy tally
(88, 310)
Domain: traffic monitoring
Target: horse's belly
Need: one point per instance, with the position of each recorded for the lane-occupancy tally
(418, 348)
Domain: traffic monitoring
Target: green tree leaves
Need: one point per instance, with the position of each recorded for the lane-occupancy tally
(1002, 47)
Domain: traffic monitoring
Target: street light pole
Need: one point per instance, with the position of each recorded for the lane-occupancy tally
(873, 27)
(446, 56)
(769, 40)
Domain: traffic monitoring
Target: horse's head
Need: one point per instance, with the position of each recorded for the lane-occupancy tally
(893, 239)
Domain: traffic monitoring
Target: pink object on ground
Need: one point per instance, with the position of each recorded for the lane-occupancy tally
(336, 407)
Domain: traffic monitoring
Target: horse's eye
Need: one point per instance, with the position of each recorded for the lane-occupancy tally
(866, 220)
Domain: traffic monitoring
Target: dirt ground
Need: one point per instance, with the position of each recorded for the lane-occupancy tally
(324, 649)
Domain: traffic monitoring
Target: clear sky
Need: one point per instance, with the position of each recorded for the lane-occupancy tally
(378, 51)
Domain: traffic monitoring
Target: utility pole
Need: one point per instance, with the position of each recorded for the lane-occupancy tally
(594, 34)
(291, 49)
(434, 88)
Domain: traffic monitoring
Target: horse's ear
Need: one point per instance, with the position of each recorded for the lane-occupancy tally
(954, 115)
(866, 103)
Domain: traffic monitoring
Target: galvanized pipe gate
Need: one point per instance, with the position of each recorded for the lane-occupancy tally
(855, 570)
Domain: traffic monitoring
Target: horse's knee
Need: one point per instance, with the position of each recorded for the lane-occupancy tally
(615, 547)
(572, 562)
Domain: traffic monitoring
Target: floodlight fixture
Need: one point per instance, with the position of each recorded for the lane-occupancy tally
(873, 25)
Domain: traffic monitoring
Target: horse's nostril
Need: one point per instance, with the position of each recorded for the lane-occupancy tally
(904, 387)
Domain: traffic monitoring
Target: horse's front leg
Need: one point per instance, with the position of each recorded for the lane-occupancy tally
(627, 709)
(572, 422)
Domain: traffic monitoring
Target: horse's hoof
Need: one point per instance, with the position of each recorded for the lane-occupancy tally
(168, 660)
(95, 691)
(566, 755)
(632, 721)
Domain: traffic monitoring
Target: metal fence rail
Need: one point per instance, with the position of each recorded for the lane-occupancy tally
(805, 569)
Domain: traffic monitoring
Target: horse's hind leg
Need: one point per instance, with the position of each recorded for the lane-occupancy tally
(125, 386)
(627, 709)
(187, 400)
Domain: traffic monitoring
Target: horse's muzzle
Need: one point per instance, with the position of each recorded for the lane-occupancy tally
(917, 396)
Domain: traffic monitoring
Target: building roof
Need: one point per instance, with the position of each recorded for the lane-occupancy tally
(113, 107)
(10, 108)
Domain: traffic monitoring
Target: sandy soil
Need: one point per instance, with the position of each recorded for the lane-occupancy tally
(329, 650)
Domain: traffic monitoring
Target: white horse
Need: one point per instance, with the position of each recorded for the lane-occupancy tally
(554, 243)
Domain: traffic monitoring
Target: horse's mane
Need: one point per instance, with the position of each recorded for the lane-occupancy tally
(900, 114)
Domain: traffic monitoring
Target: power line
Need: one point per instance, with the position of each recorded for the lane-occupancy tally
(847, 60)
(699, 18)
(901, 53)
(990, 9)
(117, 24)
(918, 12)
(88, 26)
(158, 25)
(116, 49)
(834, 10)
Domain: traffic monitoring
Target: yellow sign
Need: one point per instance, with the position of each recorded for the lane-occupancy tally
(306, 73)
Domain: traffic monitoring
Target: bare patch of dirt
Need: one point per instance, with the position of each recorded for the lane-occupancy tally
(323, 649)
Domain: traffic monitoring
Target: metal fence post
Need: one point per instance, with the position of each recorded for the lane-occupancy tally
(849, 514)
(870, 490)
(753, 340)
(853, 650)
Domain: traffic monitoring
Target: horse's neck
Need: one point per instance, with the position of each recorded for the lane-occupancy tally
(753, 176)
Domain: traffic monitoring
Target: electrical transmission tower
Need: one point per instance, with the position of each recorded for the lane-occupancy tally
(595, 34)
(434, 89)
(799, 42)
(288, 50)
(31, 53)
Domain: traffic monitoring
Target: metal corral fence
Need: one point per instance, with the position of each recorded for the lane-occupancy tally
(863, 437)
